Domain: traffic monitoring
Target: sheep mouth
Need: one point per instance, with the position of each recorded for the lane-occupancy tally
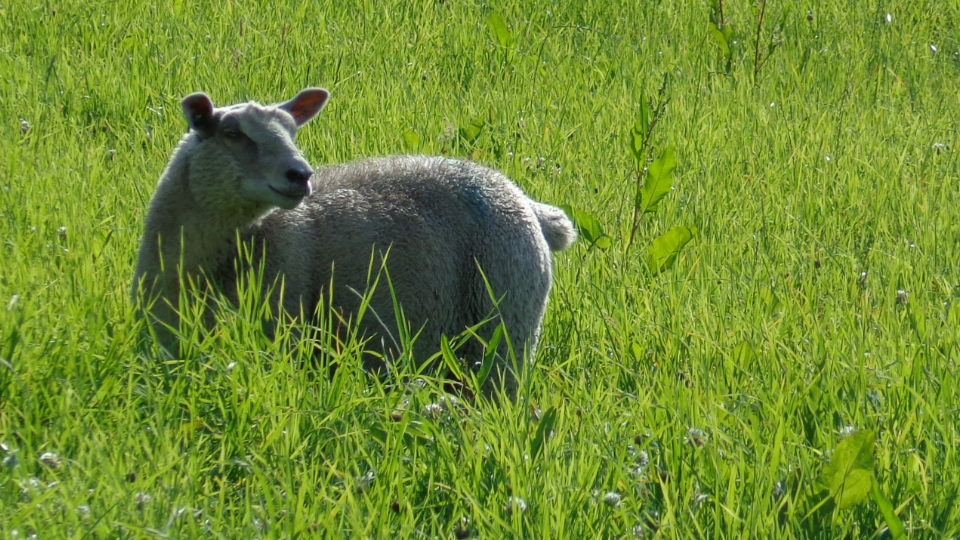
(297, 196)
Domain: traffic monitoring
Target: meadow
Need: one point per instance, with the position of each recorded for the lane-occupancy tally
(793, 374)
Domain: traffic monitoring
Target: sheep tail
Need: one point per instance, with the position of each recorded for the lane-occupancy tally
(556, 226)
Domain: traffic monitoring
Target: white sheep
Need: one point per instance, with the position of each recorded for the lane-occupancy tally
(444, 226)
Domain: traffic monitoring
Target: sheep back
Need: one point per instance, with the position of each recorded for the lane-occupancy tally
(439, 223)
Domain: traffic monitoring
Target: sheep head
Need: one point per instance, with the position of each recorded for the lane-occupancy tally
(244, 155)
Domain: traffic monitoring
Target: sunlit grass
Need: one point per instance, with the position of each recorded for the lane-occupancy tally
(818, 297)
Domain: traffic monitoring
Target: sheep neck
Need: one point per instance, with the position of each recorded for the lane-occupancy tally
(185, 234)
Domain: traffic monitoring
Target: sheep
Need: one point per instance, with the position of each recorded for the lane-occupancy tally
(446, 230)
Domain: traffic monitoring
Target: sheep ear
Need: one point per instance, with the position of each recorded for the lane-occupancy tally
(198, 109)
(306, 104)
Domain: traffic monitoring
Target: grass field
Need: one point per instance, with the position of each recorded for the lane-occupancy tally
(794, 375)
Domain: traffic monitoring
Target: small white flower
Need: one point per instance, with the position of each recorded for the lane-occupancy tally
(643, 459)
(449, 132)
(611, 499)
(416, 385)
(516, 504)
(697, 501)
(11, 461)
(779, 488)
(432, 410)
(364, 482)
(142, 499)
(696, 437)
(902, 296)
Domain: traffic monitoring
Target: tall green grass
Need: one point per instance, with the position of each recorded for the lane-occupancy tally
(818, 299)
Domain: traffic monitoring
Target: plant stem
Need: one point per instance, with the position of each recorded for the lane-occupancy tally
(645, 153)
(756, 57)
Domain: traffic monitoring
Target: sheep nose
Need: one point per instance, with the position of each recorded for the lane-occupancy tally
(298, 175)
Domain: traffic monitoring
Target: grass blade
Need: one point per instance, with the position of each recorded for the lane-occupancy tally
(544, 429)
(894, 525)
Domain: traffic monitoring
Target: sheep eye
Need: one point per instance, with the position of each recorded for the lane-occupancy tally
(231, 133)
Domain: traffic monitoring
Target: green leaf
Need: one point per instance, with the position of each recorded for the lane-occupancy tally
(849, 476)
(411, 140)
(450, 358)
(639, 131)
(771, 302)
(658, 182)
(543, 432)
(744, 355)
(894, 525)
(919, 324)
(489, 355)
(783, 16)
(588, 227)
(500, 31)
(721, 34)
(470, 131)
(664, 250)
(411, 434)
